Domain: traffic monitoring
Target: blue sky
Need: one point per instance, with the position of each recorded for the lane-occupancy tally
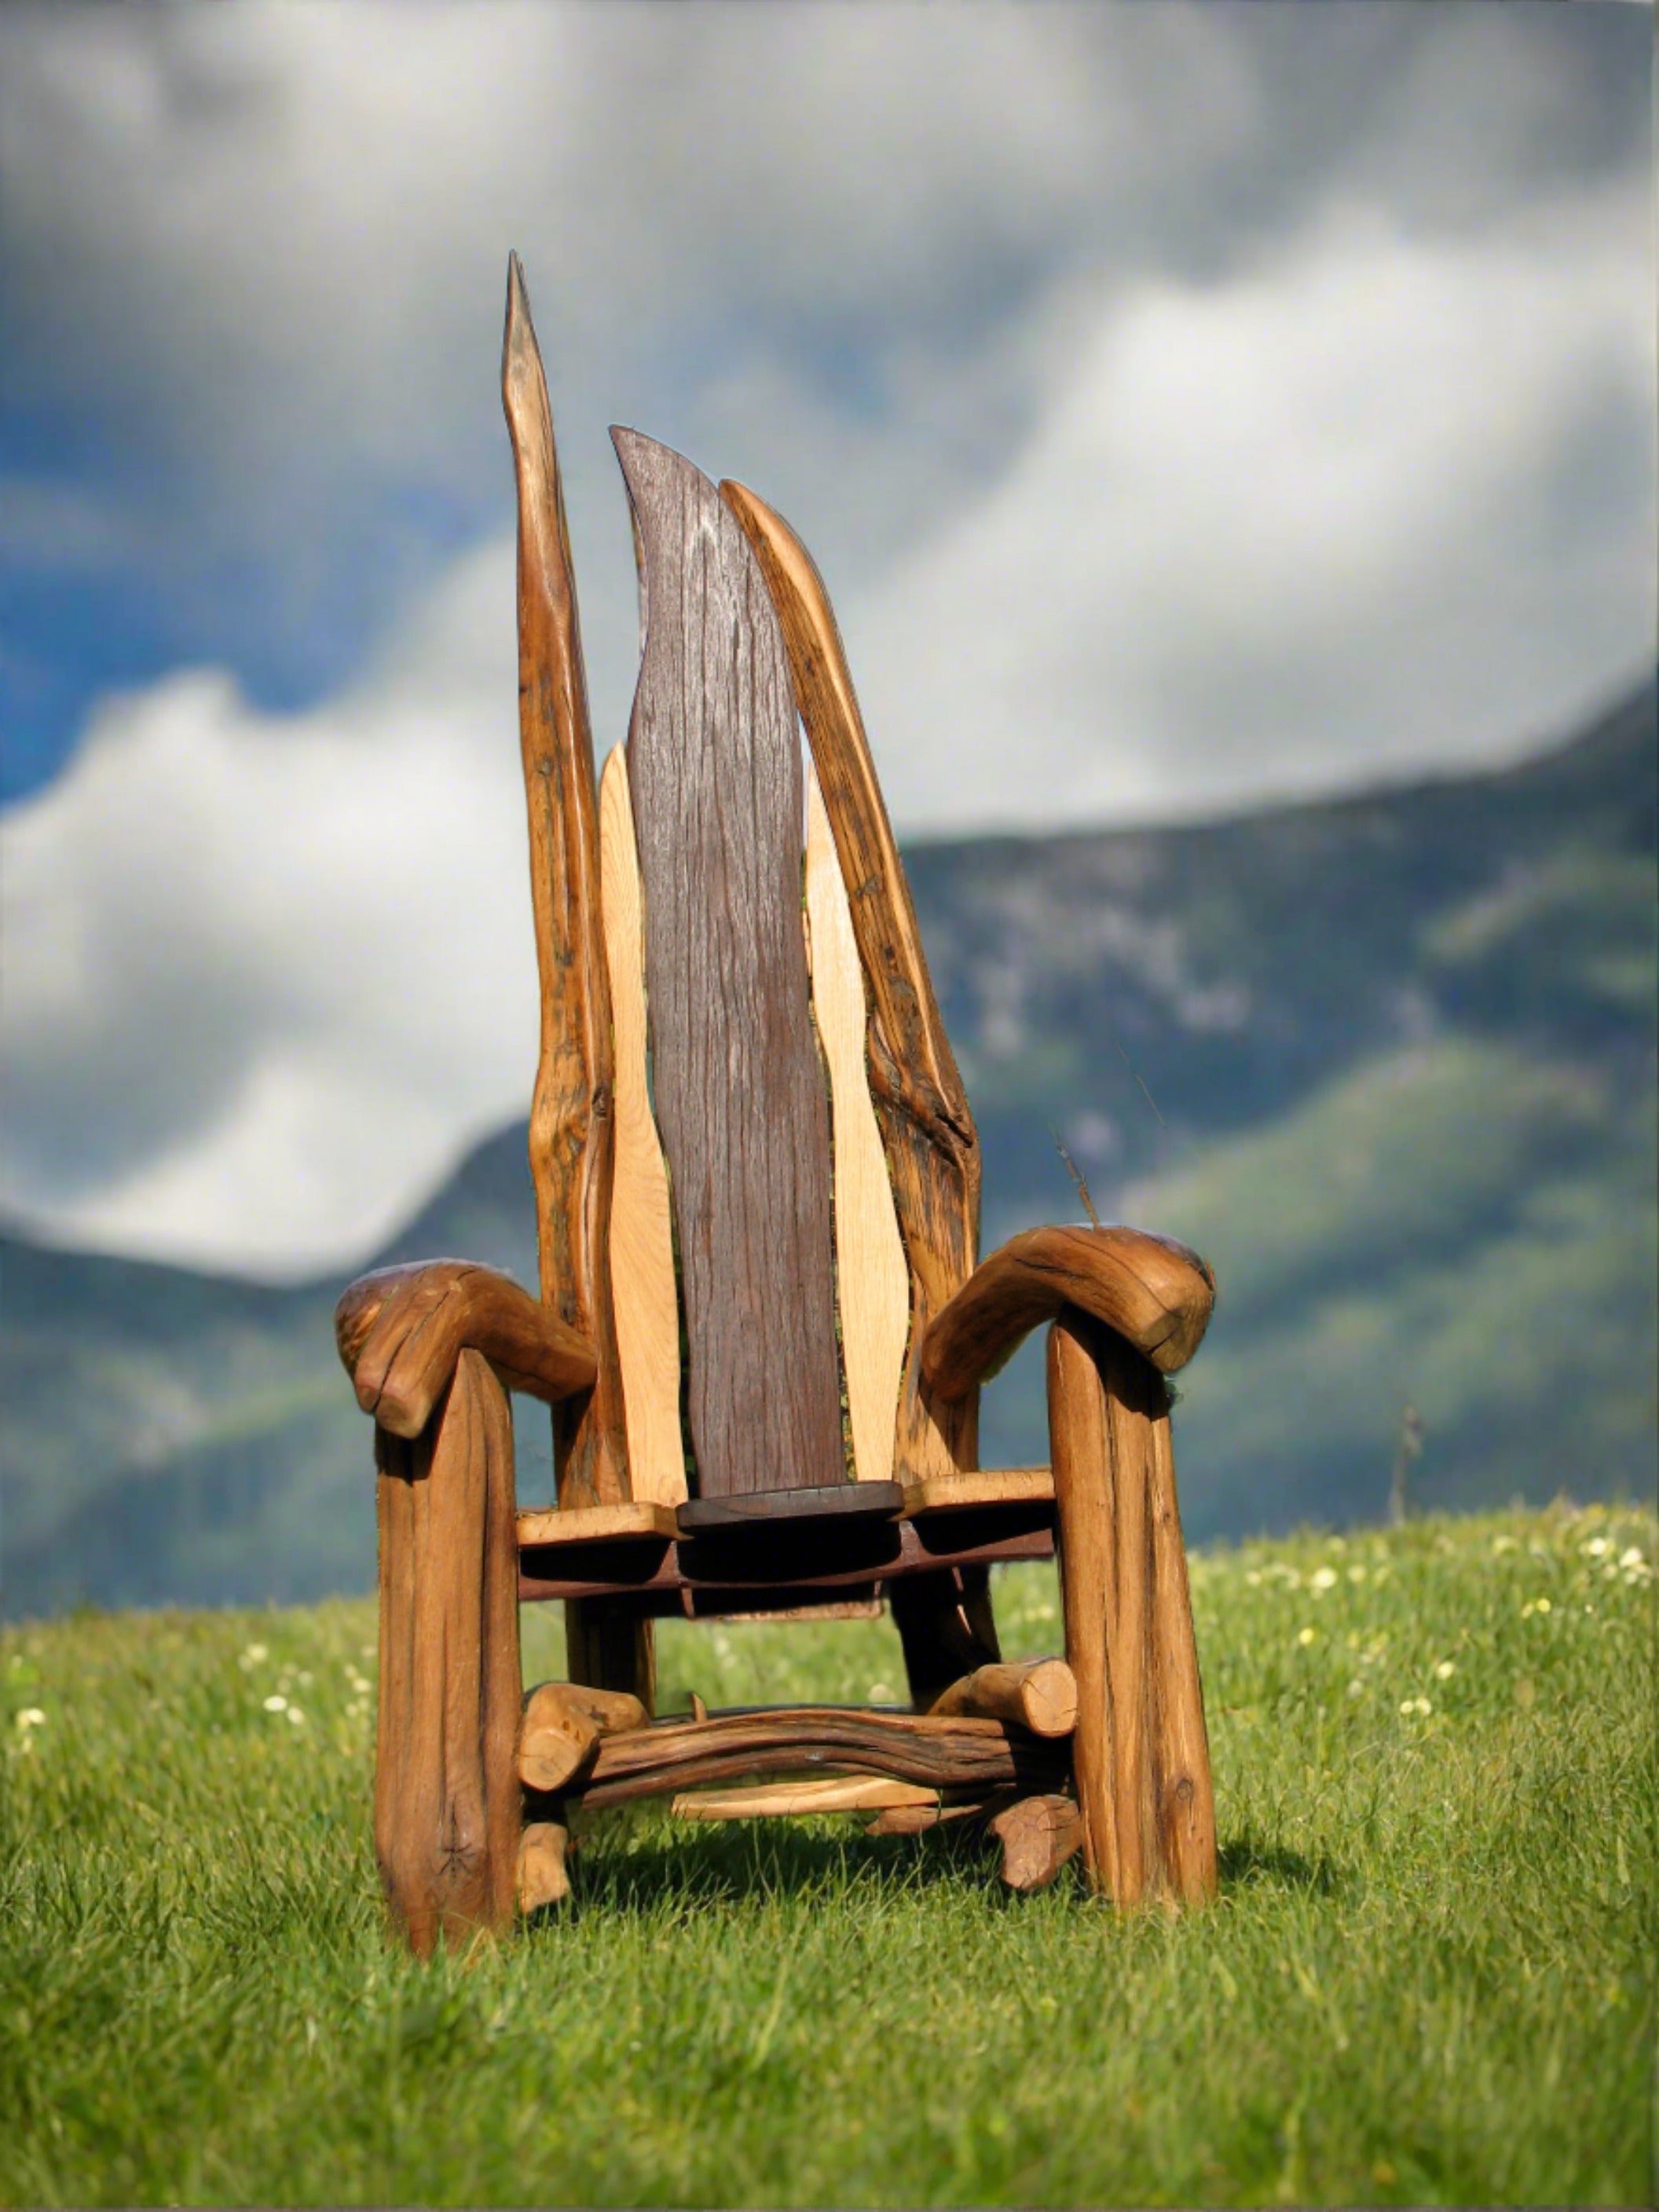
(1189, 407)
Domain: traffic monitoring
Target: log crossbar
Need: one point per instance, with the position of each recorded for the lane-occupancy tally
(763, 1322)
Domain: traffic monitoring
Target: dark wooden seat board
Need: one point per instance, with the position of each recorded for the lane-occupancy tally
(879, 1500)
(713, 758)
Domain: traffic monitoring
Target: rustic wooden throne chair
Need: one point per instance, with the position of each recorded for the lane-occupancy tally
(754, 1166)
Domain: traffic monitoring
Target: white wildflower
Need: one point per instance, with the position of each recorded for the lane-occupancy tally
(30, 1717)
(275, 1703)
(1321, 1579)
(1305, 1636)
(1445, 1670)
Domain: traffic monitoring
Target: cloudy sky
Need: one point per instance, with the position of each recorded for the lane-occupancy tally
(1189, 407)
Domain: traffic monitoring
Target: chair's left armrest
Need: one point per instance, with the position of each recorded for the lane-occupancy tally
(401, 1330)
(1154, 1293)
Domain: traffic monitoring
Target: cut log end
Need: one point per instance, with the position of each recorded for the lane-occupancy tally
(562, 1723)
(1037, 1836)
(543, 1877)
(1040, 1695)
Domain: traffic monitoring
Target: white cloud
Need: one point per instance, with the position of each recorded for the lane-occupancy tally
(266, 975)
(1333, 519)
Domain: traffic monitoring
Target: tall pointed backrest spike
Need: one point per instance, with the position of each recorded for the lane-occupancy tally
(570, 1118)
(713, 760)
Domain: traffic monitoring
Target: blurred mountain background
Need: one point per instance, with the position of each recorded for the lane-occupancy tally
(1388, 1062)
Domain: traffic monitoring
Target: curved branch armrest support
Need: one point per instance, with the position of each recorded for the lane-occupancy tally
(401, 1330)
(1154, 1293)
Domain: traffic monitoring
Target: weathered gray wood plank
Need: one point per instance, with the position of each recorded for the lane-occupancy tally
(714, 765)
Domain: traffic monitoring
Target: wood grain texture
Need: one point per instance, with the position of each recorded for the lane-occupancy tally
(873, 1283)
(1038, 1835)
(401, 1330)
(1141, 1758)
(1040, 1694)
(446, 1801)
(991, 1485)
(1153, 1291)
(596, 1524)
(943, 1754)
(848, 1793)
(1187, 1791)
(714, 764)
(932, 1148)
(643, 1290)
(570, 1116)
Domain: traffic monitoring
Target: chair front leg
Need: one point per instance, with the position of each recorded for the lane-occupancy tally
(448, 1804)
(1140, 1751)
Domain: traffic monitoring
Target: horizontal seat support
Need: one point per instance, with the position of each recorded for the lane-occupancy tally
(783, 1565)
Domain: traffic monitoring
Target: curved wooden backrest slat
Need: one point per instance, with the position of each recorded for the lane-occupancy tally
(642, 1291)
(713, 759)
(873, 1284)
(932, 1148)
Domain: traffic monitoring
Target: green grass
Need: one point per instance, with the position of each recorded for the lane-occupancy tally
(1428, 1979)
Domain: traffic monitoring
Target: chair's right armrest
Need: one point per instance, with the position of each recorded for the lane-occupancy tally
(1156, 1294)
(401, 1330)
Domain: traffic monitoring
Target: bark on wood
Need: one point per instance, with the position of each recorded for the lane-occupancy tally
(942, 1754)
(1037, 1836)
(851, 1793)
(401, 1330)
(570, 1117)
(932, 1148)
(1139, 1755)
(562, 1723)
(1040, 1695)
(641, 1232)
(1150, 1290)
(446, 1802)
(873, 1284)
(714, 765)
(541, 1878)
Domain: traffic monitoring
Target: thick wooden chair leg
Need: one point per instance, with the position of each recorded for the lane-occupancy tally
(1140, 1754)
(448, 1807)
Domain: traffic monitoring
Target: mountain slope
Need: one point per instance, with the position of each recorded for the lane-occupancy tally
(1401, 1049)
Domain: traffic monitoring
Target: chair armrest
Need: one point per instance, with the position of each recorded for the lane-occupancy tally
(402, 1330)
(1153, 1291)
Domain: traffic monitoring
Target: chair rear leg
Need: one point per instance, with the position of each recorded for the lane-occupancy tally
(448, 1806)
(1140, 1752)
(946, 1626)
(607, 1649)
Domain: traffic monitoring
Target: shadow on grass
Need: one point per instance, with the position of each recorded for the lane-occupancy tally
(645, 1871)
(616, 1872)
(1247, 1862)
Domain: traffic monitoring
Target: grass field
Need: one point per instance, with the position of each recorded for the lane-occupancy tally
(1429, 1977)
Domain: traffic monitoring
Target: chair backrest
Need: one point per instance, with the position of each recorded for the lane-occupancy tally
(708, 877)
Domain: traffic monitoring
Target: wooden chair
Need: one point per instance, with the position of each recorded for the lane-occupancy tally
(765, 1392)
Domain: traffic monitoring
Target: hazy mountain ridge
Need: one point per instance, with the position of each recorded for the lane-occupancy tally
(1402, 1051)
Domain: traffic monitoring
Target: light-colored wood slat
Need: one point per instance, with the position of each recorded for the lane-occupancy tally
(873, 1283)
(596, 1524)
(641, 1235)
(990, 1486)
(851, 1793)
(932, 1148)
